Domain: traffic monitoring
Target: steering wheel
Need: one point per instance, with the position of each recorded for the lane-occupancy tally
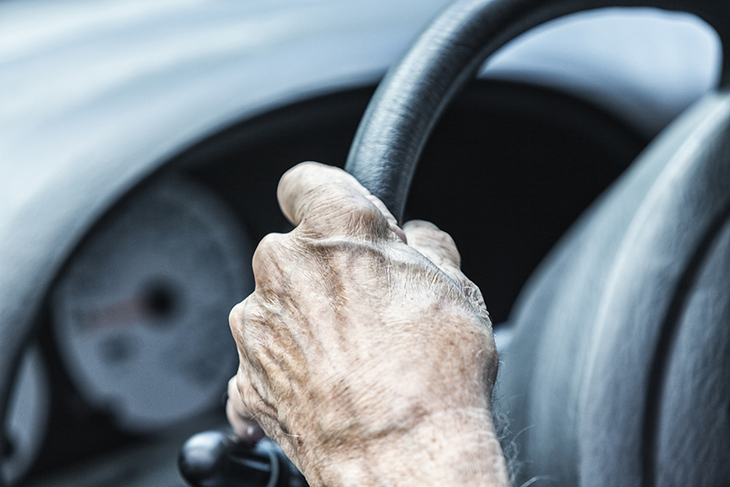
(618, 357)
(414, 93)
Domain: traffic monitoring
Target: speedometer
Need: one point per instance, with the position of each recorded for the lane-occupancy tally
(141, 311)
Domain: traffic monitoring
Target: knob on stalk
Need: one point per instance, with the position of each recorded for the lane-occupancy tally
(216, 459)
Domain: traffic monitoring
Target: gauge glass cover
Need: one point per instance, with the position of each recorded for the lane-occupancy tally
(141, 311)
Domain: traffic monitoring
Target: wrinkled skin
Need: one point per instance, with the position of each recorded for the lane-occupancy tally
(369, 360)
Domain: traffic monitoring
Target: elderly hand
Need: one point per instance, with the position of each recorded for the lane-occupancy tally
(370, 361)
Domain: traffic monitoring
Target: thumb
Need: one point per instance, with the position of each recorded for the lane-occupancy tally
(328, 197)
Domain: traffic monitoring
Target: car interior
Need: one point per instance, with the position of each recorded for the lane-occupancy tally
(601, 249)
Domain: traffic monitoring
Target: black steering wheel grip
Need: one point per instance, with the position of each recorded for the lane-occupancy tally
(415, 92)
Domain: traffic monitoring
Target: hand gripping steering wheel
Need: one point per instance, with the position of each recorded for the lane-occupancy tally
(627, 346)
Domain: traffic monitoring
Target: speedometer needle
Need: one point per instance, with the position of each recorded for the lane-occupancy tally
(120, 314)
(158, 302)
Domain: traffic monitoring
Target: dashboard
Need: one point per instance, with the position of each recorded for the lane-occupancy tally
(141, 145)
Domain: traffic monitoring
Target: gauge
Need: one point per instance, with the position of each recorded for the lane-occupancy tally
(26, 419)
(141, 311)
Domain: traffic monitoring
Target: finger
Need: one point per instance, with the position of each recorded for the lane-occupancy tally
(330, 201)
(440, 248)
(266, 264)
(239, 416)
(435, 244)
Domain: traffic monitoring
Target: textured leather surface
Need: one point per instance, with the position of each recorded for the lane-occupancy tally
(414, 93)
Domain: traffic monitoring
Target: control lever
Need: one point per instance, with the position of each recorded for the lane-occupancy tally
(217, 459)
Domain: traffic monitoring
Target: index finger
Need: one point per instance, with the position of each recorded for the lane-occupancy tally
(328, 201)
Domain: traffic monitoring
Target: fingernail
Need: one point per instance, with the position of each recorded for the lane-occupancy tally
(254, 433)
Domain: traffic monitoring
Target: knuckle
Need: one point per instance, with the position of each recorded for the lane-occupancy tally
(367, 213)
(236, 320)
(344, 212)
(365, 216)
(266, 254)
(241, 312)
(366, 220)
(247, 320)
(238, 312)
(268, 245)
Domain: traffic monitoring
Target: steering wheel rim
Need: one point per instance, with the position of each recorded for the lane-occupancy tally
(414, 93)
